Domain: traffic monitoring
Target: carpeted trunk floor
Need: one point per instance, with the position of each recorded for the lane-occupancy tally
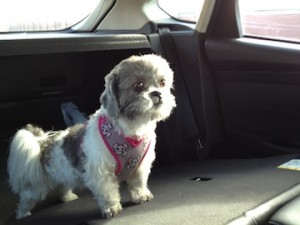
(235, 187)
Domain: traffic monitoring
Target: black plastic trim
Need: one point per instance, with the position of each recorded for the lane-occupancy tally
(29, 44)
(243, 50)
(261, 214)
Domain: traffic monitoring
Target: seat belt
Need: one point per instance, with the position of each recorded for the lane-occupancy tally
(182, 98)
(72, 115)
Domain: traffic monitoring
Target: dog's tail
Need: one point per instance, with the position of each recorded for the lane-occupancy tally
(24, 166)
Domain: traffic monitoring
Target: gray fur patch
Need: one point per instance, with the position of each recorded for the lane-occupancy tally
(72, 145)
(47, 146)
(34, 130)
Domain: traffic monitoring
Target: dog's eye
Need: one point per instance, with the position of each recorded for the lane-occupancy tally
(138, 86)
(162, 83)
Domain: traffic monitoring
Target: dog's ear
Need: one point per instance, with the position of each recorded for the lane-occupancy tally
(109, 98)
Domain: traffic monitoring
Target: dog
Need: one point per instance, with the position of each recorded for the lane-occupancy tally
(115, 145)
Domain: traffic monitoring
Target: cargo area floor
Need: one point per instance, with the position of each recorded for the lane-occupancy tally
(200, 192)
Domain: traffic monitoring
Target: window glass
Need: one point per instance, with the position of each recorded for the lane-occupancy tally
(187, 10)
(42, 15)
(271, 19)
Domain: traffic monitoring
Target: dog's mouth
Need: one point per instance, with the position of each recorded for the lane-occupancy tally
(153, 106)
(150, 110)
(157, 103)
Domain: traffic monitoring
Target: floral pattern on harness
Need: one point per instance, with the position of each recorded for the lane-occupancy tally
(121, 149)
(106, 129)
(132, 162)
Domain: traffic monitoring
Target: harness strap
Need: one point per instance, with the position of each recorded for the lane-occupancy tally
(127, 151)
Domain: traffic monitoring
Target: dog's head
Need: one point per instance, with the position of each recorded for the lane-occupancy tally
(139, 88)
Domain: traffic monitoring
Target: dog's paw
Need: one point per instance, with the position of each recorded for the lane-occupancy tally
(139, 196)
(111, 211)
(20, 214)
(69, 196)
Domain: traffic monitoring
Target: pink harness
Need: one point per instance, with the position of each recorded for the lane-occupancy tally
(128, 152)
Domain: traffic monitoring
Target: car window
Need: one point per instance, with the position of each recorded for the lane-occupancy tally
(271, 19)
(43, 15)
(188, 10)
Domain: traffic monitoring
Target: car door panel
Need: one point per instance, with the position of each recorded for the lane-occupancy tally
(258, 83)
(45, 72)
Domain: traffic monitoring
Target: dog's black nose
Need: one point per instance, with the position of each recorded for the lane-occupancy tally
(156, 97)
(155, 94)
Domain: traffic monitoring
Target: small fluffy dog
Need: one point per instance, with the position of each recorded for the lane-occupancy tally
(116, 144)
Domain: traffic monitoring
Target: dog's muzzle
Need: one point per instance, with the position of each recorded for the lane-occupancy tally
(156, 98)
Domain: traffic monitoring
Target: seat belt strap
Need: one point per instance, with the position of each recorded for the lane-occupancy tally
(170, 53)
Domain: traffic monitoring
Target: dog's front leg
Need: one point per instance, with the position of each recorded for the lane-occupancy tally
(137, 185)
(105, 189)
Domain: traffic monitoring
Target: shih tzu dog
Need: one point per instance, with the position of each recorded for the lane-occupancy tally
(116, 144)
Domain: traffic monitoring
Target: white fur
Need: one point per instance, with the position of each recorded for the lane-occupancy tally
(26, 172)
(32, 180)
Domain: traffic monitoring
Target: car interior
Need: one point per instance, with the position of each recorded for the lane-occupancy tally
(237, 117)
